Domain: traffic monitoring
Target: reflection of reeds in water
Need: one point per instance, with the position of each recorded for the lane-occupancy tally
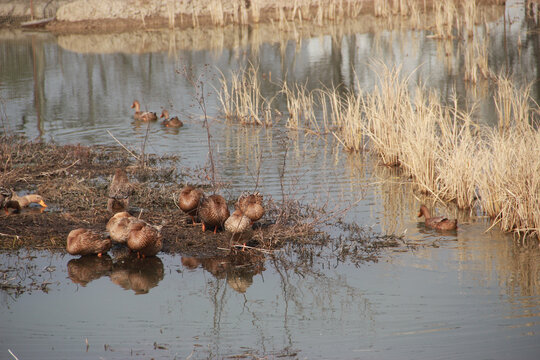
(88, 268)
(139, 275)
(517, 267)
(216, 12)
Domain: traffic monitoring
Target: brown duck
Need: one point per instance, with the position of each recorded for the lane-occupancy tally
(172, 122)
(144, 239)
(189, 199)
(142, 115)
(213, 211)
(237, 222)
(251, 206)
(437, 222)
(87, 242)
(119, 226)
(119, 192)
(239, 226)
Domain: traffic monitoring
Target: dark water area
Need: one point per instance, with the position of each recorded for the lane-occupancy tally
(474, 293)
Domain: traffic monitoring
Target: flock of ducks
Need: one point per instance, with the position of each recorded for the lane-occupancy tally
(148, 116)
(145, 239)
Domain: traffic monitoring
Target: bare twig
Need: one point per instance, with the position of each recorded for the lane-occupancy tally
(122, 145)
(12, 354)
(57, 171)
(144, 145)
(201, 100)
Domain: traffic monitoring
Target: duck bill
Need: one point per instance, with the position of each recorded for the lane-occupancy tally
(42, 203)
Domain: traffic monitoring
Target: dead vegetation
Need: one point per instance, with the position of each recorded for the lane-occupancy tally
(74, 180)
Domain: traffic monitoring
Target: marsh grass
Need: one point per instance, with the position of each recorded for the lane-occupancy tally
(346, 119)
(241, 99)
(301, 106)
(451, 158)
(509, 177)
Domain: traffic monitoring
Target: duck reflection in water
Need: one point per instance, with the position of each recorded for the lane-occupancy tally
(88, 268)
(139, 275)
(237, 268)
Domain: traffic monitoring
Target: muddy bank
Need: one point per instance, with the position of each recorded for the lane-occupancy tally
(74, 182)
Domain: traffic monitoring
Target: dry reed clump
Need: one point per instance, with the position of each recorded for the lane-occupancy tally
(453, 159)
(509, 177)
(383, 115)
(303, 106)
(345, 117)
(241, 99)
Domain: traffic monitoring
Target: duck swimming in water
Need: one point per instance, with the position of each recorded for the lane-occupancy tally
(437, 222)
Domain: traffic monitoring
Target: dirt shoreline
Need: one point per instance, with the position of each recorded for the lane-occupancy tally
(74, 181)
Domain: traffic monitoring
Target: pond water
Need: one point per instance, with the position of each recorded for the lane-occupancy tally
(470, 294)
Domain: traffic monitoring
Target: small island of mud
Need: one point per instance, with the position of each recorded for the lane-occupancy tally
(74, 181)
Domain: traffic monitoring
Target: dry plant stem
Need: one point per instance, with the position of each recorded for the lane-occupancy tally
(143, 146)
(12, 354)
(124, 147)
(201, 100)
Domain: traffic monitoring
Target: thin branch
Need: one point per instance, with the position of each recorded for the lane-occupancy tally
(122, 145)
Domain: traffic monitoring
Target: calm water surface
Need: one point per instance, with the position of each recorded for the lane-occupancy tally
(472, 294)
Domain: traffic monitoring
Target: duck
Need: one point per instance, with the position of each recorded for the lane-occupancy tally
(251, 206)
(172, 122)
(5, 198)
(26, 200)
(239, 226)
(119, 192)
(87, 242)
(144, 239)
(189, 199)
(119, 226)
(237, 223)
(437, 222)
(213, 211)
(142, 115)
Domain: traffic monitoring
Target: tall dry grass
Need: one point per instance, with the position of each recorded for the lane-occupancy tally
(450, 157)
(446, 154)
(301, 106)
(509, 177)
(241, 99)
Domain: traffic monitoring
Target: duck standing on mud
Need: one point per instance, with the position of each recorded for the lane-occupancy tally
(437, 222)
(251, 205)
(144, 239)
(213, 211)
(189, 199)
(87, 242)
(145, 116)
(119, 192)
(239, 226)
(119, 226)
